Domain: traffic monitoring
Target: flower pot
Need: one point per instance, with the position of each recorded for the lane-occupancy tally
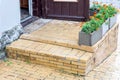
(90, 39)
(105, 26)
(113, 20)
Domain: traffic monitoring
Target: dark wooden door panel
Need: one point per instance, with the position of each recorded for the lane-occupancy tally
(66, 10)
(73, 9)
(56, 9)
(61, 10)
(37, 8)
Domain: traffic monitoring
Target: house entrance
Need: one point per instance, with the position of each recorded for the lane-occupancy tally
(26, 9)
(55, 9)
(66, 9)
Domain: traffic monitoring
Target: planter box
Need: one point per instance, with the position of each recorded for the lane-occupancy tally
(90, 39)
(105, 26)
(113, 20)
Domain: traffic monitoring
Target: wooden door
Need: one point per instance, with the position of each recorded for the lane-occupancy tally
(66, 9)
(24, 3)
(37, 8)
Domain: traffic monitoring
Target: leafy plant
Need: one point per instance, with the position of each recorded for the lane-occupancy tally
(87, 28)
(90, 26)
(94, 23)
(111, 10)
(95, 6)
(99, 16)
(105, 11)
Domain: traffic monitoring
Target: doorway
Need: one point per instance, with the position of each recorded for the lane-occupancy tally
(26, 9)
(56, 9)
(66, 9)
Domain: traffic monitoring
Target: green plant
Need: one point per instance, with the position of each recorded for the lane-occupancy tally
(106, 15)
(87, 28)
(105, 11)
(99, 16)
(90, 26)
(95, 6)
(102, 9)
(94, 23)
(111, 10)
(101, 21)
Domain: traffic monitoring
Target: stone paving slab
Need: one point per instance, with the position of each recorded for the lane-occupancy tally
(68, 59)
(37, 24)
(58, 32)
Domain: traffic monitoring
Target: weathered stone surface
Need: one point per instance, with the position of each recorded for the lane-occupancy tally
(19, 29)
(0, 45)
(57, 32)
(2, 54)
(9, 36)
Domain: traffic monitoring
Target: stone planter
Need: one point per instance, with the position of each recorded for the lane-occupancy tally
(8, 37)
(105, 27)
(113, 20)
(90, 39)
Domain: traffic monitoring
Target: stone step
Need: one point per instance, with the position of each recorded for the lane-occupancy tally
(70, 59)
(63, 58)
(58, 32)
(56, 41)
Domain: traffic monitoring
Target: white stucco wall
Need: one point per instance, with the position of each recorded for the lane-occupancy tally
(9, 14)
(0, 16)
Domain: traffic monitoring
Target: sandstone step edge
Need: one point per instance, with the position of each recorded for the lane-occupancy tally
(21, 53)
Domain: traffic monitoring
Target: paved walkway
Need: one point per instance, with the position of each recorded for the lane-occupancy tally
(17, 70)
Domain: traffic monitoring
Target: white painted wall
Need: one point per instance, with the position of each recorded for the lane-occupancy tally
(9, 14)
(0, 18)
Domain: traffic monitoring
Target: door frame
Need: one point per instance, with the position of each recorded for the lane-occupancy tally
(30, 6)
